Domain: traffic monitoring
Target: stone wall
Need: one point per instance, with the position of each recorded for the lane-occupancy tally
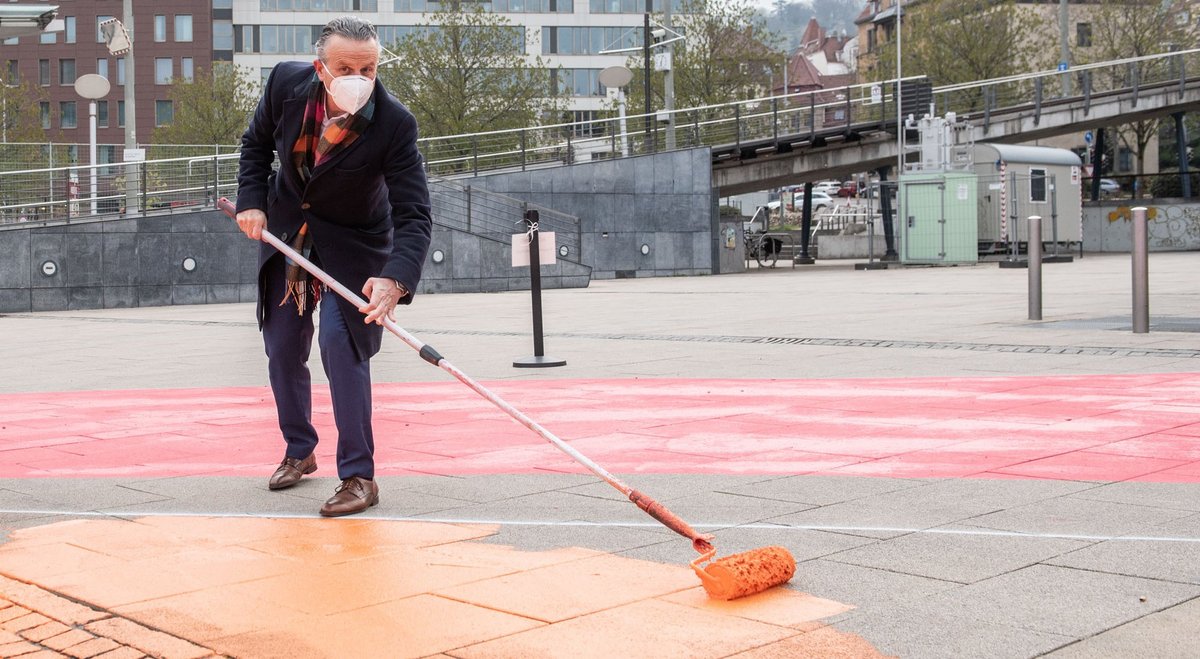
(647, 216)
(1173, 225)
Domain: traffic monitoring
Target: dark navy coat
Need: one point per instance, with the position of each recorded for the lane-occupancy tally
(367, 207)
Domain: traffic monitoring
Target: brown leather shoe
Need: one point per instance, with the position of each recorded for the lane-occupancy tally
(290, 471)
(354, 495)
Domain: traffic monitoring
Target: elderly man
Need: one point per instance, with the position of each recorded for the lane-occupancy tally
(351, 195)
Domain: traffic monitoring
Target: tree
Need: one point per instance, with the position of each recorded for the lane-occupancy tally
(20, 112)
(463, 71)
(727, 56)
(214, 108)
(1129, 28)
(954, 41)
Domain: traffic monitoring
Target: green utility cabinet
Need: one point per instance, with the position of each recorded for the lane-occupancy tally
(938, 217)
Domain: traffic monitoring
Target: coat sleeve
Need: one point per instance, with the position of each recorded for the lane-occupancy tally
(258, 152)
(412, 219)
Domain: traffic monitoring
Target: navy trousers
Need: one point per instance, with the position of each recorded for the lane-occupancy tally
(288, 339)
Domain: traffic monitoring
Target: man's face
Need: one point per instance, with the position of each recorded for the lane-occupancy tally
(347, 57)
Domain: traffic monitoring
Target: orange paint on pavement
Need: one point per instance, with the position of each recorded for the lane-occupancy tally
(306, 587)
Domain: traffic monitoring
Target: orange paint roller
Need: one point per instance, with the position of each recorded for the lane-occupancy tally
(726, 578)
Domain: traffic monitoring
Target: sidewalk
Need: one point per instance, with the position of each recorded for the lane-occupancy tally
(953, 479)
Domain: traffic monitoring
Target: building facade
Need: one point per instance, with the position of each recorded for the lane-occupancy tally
(566, 33)
(172, 40)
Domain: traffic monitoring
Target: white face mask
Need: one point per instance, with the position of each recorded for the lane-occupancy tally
(350, 93)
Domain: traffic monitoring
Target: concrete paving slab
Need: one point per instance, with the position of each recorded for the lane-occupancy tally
(953, 557)
(866, 588)
(823, 490)
(1175, 496)
(1078, 516)
(1169, 561)
(1062, 601)
(904, 632)
(1157, 634)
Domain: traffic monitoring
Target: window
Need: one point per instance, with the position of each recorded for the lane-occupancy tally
(323, 5)
(69, 29)
(183, 27)
(13, 76)
(1083, 34)
(588, 40)
(66, 114)
(222, 35)
(66, 71)
(163, 70)
(102, 114)
(187, 69)
(576, 82)
(121, 71)
(102, 66)
(99, 20)
(160, 28)
(43, 72)
(287, 39)
(1124, 160)
(48, 37)
(44, 108)
(1037, 185)
(164, 113)
(222, 4)
(120, 114)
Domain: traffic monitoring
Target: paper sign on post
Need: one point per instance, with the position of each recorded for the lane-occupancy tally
(547, 252)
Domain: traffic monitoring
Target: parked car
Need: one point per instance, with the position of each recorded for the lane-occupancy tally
(1109, 187)
(848, 189)
(828, 187)
(820, 201)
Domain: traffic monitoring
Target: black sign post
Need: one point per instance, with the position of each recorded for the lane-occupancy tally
(539, 358)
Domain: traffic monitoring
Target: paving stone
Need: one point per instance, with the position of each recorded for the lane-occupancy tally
(127, 632)
(91, 648)
(1176, 496)
(1169, 561)
(1163, 634)
(122, 653)
(965, 558)
(18, 649)
(44, 631)
(68, 639)
(1067, 602)
(1078, 516)
(862, 587)
(904, 631)
(823, 490)
(27, 621)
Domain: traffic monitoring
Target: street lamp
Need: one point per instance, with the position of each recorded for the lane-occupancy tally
(116, 37)
(616, 77)
(92, 86)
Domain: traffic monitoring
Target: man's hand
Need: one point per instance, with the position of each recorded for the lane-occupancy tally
(383, 295)
(252, 221)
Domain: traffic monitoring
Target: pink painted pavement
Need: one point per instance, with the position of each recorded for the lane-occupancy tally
(1097, 428)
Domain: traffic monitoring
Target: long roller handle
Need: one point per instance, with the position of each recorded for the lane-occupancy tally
(701, 542)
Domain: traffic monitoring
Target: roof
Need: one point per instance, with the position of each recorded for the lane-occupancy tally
(1033, 155)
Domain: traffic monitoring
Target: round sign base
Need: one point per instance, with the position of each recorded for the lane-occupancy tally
(538, 362)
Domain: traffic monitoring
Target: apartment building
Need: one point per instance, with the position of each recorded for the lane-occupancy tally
(172, 39)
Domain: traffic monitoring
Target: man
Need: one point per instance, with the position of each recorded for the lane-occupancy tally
(350, 194)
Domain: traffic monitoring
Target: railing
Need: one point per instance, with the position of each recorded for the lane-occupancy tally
(64, 193)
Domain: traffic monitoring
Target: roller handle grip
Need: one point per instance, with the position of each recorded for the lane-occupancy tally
(701, 543)
(227, 206)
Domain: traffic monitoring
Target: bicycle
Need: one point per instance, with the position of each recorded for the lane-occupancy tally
(762, 248)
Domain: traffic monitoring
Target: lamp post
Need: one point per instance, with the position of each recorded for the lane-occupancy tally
(616, 77)
(92, 86)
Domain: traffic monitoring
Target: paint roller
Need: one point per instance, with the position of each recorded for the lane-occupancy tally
(727, 578)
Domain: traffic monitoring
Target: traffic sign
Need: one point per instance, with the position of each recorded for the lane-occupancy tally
(1087, 137)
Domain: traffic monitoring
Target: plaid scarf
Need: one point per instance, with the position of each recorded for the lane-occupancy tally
(308, 152)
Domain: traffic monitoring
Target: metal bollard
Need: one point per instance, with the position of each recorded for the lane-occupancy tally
(1035, 267)
(1141, 273)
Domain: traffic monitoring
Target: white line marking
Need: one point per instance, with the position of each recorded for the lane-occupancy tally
(651, 525)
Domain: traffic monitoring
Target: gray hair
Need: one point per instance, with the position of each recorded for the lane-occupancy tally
(350, 27)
